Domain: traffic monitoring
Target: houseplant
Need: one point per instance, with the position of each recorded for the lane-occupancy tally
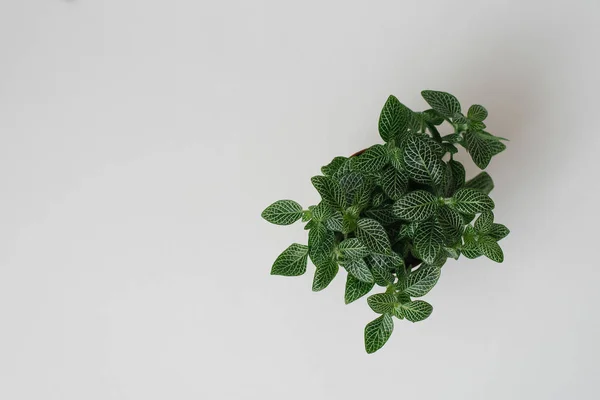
(392, 214)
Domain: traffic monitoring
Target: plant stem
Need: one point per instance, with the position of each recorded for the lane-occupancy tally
(434, 132)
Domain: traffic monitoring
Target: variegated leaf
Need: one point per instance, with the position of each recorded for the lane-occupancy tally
(442, 102)
(283, 212)
(417, 310)
(352, 248)
(382, 303)
(324, 274)
(498, 231)
(359, 269)
(471, 201)
(320, 244)
(420, 282)
(374, 159)
(484, 222)
(377, 333)
(394, 182)
(418, 205)
(393, 119)
(330, 191)
(428, 241)
(292, 262)
(482, 182)
(422, 164)
(372, 235)
(355, 289)
(477, 113)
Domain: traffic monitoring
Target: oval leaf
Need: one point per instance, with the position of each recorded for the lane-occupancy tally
(359, 269)
(356, 289)
(471, 201)
(382, 303)
(372, 235)
(283, 212)
(421, 281)
(477, 113)
(393, 119)
(415, 311)
(377, 333)
(352, 248)
(324, 274)
(442, 102)
(292, 262)
(416, 206)
(422, 164)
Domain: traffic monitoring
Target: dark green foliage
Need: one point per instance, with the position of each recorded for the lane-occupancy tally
(394, 214)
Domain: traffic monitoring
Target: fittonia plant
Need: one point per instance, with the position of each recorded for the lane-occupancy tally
(392, 214)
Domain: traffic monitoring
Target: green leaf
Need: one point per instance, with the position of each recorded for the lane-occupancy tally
(378, 199)
(372, 235)
(377, 333)
(331, 168)
(306, 215)
(420, 282)
(421, 162)
(344, 169)
(380, 268)
(442, 102)
(458, 174)
(453, 138)
(452, 252)
(452, 224)
(393, 119)
(362, 196)
(498, 231)
(471, 250)
(324, 274)
(476, 125)
(382, 303)
(350, 218)
(428, 241)
(408, 230)
(396, 158)
(418, 205)
(415, 311)
(330, 191)
(394, 183)
(388, 261)
(283, 212)
(320, 244)
(310, 225)
(292, 262)
(322, 212)
(484, 223)
(356, 289)
(358, 268)
(497, 147)
(490, 249)
(334, 223)
(372, 160)
(459, 119)
(433, 117)
(477, 113)
(480, 149)
(352, 248)
(482, 182)
(471, 201)
(449, 148)
(383, 215)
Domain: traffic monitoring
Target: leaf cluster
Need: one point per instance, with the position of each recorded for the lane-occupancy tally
(392, 215)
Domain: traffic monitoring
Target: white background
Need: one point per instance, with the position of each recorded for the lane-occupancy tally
(141, 139)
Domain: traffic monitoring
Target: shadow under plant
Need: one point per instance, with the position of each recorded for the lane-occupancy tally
(391, 215)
